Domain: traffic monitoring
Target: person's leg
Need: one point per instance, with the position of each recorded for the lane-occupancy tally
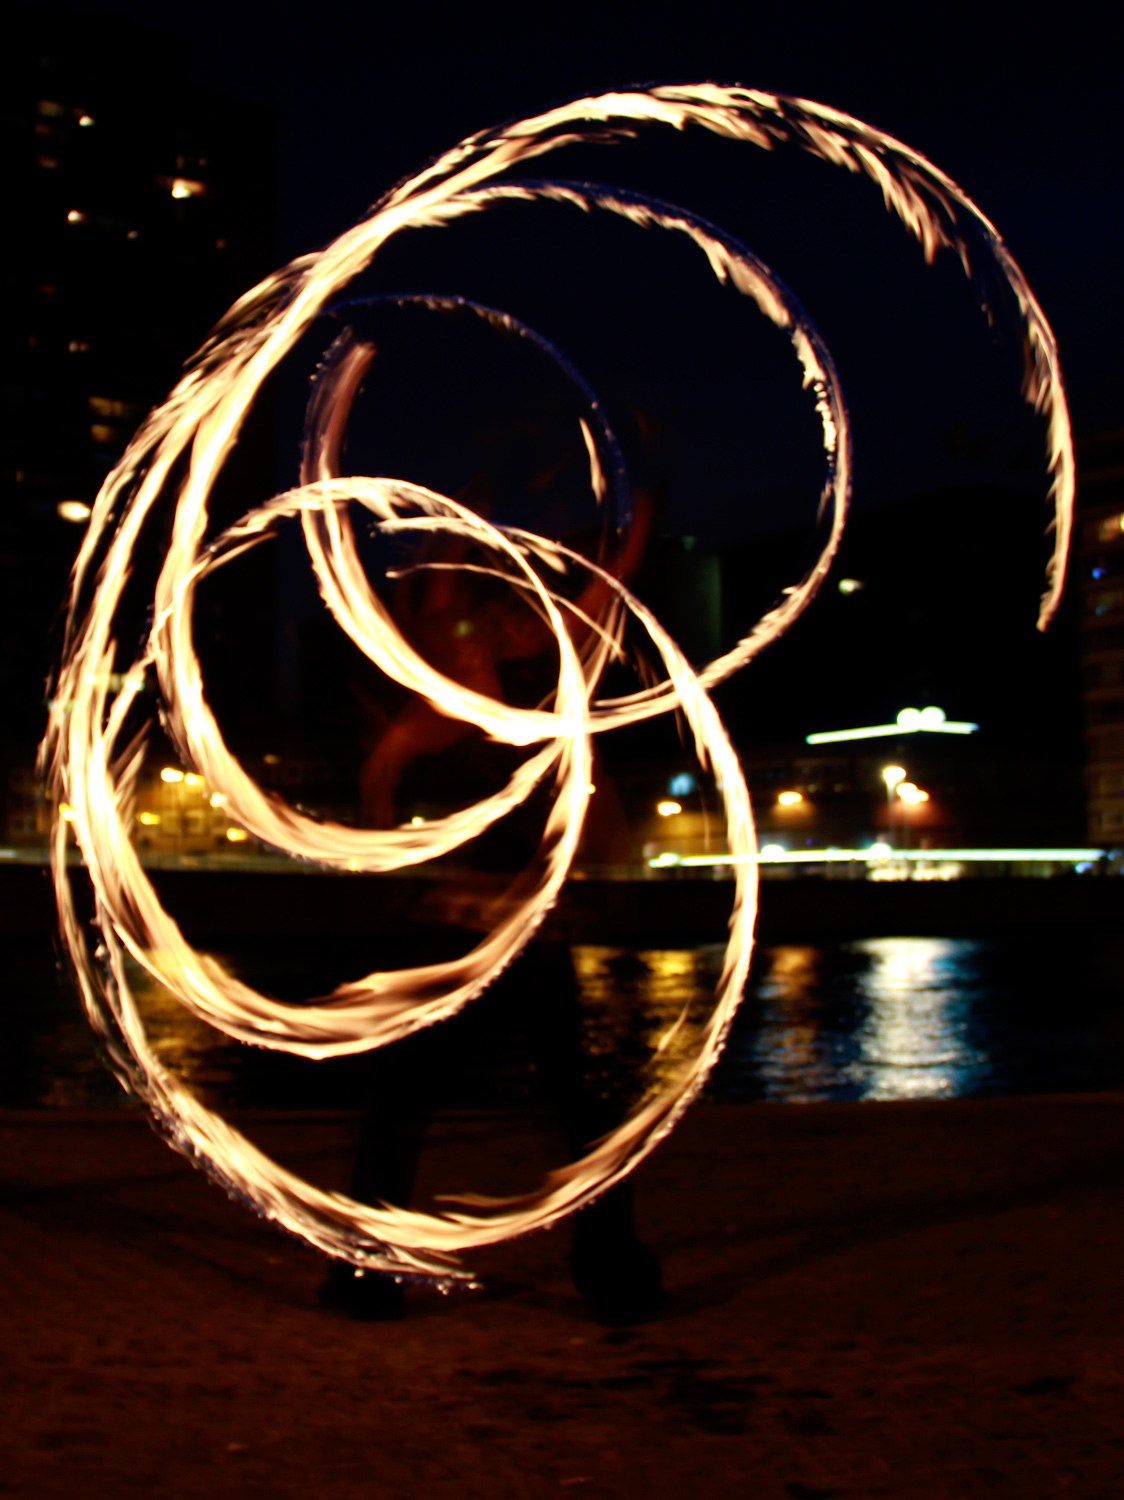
(617, 1274)
(403, 1088)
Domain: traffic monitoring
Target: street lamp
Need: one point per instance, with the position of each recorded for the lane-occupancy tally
(893, 776)
(911, 796)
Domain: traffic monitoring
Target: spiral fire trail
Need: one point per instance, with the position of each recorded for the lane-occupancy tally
(182, 448)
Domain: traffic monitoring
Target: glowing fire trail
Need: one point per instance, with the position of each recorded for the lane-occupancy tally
(196, 429)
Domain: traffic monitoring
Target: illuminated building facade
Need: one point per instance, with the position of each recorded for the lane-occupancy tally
(933, 602)
(1098, 571)
(139, 207)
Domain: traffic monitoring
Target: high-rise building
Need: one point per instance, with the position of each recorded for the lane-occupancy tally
(1098, 567)
(139, 207)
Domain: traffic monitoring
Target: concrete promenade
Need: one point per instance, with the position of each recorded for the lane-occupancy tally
(911, 1300)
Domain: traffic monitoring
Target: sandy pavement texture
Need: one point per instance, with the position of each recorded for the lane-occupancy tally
(911, 1300)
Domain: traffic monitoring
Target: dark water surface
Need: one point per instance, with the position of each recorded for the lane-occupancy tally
(874, 1018)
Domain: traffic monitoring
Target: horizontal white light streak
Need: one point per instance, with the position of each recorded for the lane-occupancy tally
(879, 856)
(881, 731)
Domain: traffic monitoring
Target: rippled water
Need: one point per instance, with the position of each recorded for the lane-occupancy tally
(905, 1018)
(876, 1018)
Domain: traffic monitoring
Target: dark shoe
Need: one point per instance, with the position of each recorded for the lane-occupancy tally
(620, 1279)
(367, 1297)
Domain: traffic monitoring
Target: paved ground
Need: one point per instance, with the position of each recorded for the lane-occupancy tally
(915, 1300)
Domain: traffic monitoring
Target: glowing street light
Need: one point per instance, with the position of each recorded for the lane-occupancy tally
(72, 510)
(912, 794)
(790, 799)
(893, 776)
(668, 809)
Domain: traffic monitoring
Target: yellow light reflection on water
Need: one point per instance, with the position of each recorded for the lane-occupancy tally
(636, 1012)
(913, 1042)
(792, 1053)
(203, 1059)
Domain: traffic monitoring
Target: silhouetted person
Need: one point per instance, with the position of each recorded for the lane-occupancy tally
(481, 634)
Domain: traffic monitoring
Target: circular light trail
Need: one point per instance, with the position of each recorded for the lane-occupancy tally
(93, 764)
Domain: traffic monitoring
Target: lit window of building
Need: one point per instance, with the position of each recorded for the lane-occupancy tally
(110, 406)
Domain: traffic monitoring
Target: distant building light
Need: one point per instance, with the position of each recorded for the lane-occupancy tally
(149, 819)
(682, 785)
(187, 187)
(909, 721)
(66, 812)
(50, 162)
(912, 794)
(192, 779)
(78, 346)
(789, 799)
(133, 234)
(850, 585)
(72, 510)
(272, 760)
(879, 851)
(1110, 527)
(664, 861)
(892, 775)
(76, 216)
(772, 851)
(218, 799)
(237, 835)
(169, 773)
(668, 809)
(109, 406)
(416, 821)
(51, 108)
(86, 120)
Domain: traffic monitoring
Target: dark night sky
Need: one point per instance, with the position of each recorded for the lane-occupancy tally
(1025, 117)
